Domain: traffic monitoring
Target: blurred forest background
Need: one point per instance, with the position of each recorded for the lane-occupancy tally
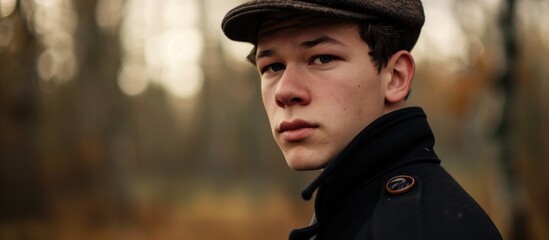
(138, 119)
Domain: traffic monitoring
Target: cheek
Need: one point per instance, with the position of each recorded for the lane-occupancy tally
(363, 100)
(265, 94)
(269, 104)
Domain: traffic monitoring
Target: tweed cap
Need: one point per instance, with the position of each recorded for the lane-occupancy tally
(242, 23)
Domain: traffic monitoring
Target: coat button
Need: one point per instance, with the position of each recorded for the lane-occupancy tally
(400, 184)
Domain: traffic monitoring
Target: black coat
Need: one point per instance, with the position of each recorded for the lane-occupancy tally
(356, 200)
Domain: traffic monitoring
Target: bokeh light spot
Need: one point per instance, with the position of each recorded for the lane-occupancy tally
(132, 79)
(7, 7)
(167, 42)
(46, 65)
(108, 14)
(185, 81)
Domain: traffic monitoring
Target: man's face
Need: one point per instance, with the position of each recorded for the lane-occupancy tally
(319, 87)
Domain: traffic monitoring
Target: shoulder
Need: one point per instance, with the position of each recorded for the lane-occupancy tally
(424, 202)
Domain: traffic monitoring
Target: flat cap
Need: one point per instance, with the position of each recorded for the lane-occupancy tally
(242, 22)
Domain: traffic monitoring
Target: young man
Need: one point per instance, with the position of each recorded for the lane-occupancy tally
(334, 79)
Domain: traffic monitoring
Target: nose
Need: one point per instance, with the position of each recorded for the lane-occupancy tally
(292, 89)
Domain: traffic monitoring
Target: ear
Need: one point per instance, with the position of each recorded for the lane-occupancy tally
(400, 69)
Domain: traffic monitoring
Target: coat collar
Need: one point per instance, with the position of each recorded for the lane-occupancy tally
(397, 138)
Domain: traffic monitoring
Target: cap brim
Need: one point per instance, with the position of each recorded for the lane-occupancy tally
(242, 23)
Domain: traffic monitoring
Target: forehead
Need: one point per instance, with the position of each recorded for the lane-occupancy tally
(274, 23)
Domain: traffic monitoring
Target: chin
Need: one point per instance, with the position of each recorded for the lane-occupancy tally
(304, 164)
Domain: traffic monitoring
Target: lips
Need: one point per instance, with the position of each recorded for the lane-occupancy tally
(296, 130)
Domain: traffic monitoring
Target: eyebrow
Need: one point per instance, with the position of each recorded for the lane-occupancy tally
(306, 44)
(321, 40)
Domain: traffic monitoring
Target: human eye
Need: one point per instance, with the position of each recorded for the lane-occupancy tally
(275, 67)
(323, 59)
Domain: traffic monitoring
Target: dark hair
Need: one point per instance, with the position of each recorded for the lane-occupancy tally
(383, 38)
